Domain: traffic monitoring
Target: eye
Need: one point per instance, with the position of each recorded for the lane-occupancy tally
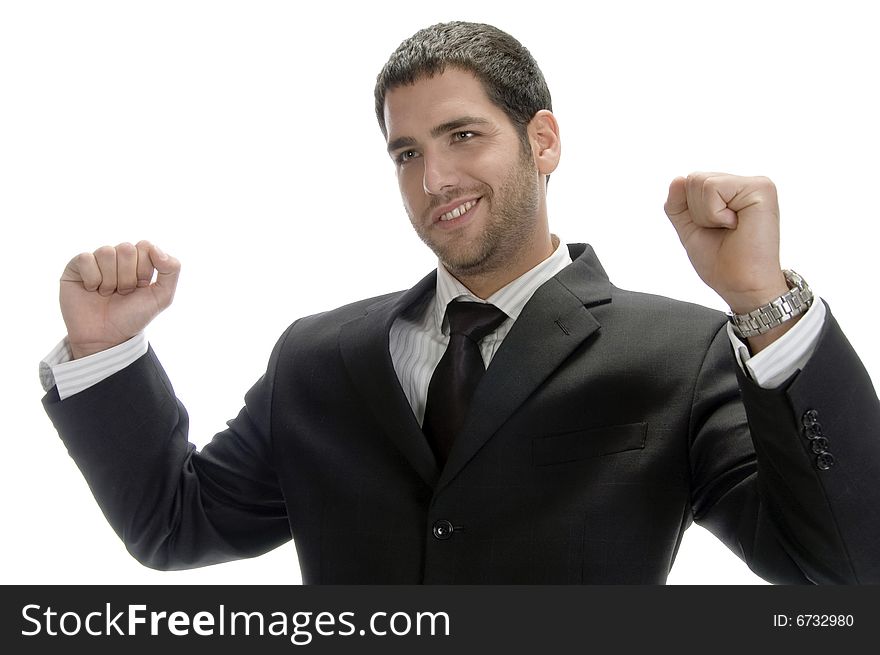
(405, 156)
(464, 136)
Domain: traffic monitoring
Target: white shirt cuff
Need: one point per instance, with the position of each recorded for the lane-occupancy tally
(785, 356)
(71, 376)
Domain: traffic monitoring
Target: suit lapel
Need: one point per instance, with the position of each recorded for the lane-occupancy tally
(553, 323)
(363, 343)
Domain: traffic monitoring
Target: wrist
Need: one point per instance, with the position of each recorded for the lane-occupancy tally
(743, 302)
(757, 343)
(779, 311)
(79, 350)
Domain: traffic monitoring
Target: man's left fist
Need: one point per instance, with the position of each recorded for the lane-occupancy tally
(729, 226)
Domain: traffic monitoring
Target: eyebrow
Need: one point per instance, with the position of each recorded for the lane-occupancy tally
(439, 130)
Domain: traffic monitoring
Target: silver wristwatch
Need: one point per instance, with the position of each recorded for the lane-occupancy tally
(776, 312)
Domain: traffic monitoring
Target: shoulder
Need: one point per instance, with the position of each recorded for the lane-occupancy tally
(586, 278)
(315, 332)
(654, 309)
(661, 323)
(345, 313)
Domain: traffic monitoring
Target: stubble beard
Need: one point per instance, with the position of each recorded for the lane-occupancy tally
(509, 225)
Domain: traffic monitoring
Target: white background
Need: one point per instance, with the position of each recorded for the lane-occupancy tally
(240, 136)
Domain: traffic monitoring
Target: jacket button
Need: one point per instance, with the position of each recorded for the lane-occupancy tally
(443, 529)
(824, 461)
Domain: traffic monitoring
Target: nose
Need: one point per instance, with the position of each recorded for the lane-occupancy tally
(440, 174)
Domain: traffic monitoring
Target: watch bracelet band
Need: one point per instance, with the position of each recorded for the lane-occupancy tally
(793, 303)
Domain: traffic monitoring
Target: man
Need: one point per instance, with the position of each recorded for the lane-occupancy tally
(596, 426)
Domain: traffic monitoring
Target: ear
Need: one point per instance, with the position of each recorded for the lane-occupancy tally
(543, 131)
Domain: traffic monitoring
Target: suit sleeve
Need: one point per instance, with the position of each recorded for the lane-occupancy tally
(798, 503)
(172, 506)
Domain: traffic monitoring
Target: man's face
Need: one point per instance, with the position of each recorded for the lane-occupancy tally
(471, 192)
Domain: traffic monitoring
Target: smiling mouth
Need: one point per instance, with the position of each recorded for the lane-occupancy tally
(458, 211)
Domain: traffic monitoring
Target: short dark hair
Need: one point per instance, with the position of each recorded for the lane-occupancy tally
(508, 72)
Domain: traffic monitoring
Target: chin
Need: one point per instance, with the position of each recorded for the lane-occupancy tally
(472, 263)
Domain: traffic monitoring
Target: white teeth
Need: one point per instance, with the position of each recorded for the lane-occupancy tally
(458, 211)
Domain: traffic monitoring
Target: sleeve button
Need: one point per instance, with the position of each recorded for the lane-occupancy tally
(810, 417)
(819, 445)
(824, 461)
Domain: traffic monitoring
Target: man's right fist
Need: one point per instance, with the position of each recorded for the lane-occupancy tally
(108, 296)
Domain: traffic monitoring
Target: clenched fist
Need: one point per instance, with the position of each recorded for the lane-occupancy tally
(108, 296)
(729, 226)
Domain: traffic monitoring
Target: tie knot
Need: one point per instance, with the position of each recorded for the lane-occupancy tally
(473, 320)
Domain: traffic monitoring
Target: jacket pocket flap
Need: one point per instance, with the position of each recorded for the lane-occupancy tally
(582, 444)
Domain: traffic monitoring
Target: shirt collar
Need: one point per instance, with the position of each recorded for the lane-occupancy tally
(510, 298)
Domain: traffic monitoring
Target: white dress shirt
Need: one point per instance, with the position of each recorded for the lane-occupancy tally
(419, 337)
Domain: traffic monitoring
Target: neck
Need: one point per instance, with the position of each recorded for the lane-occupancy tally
(485, 283)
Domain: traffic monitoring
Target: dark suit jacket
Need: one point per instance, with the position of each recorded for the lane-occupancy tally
(606, 423)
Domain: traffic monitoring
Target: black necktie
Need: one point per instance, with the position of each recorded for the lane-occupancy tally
(456, 376)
